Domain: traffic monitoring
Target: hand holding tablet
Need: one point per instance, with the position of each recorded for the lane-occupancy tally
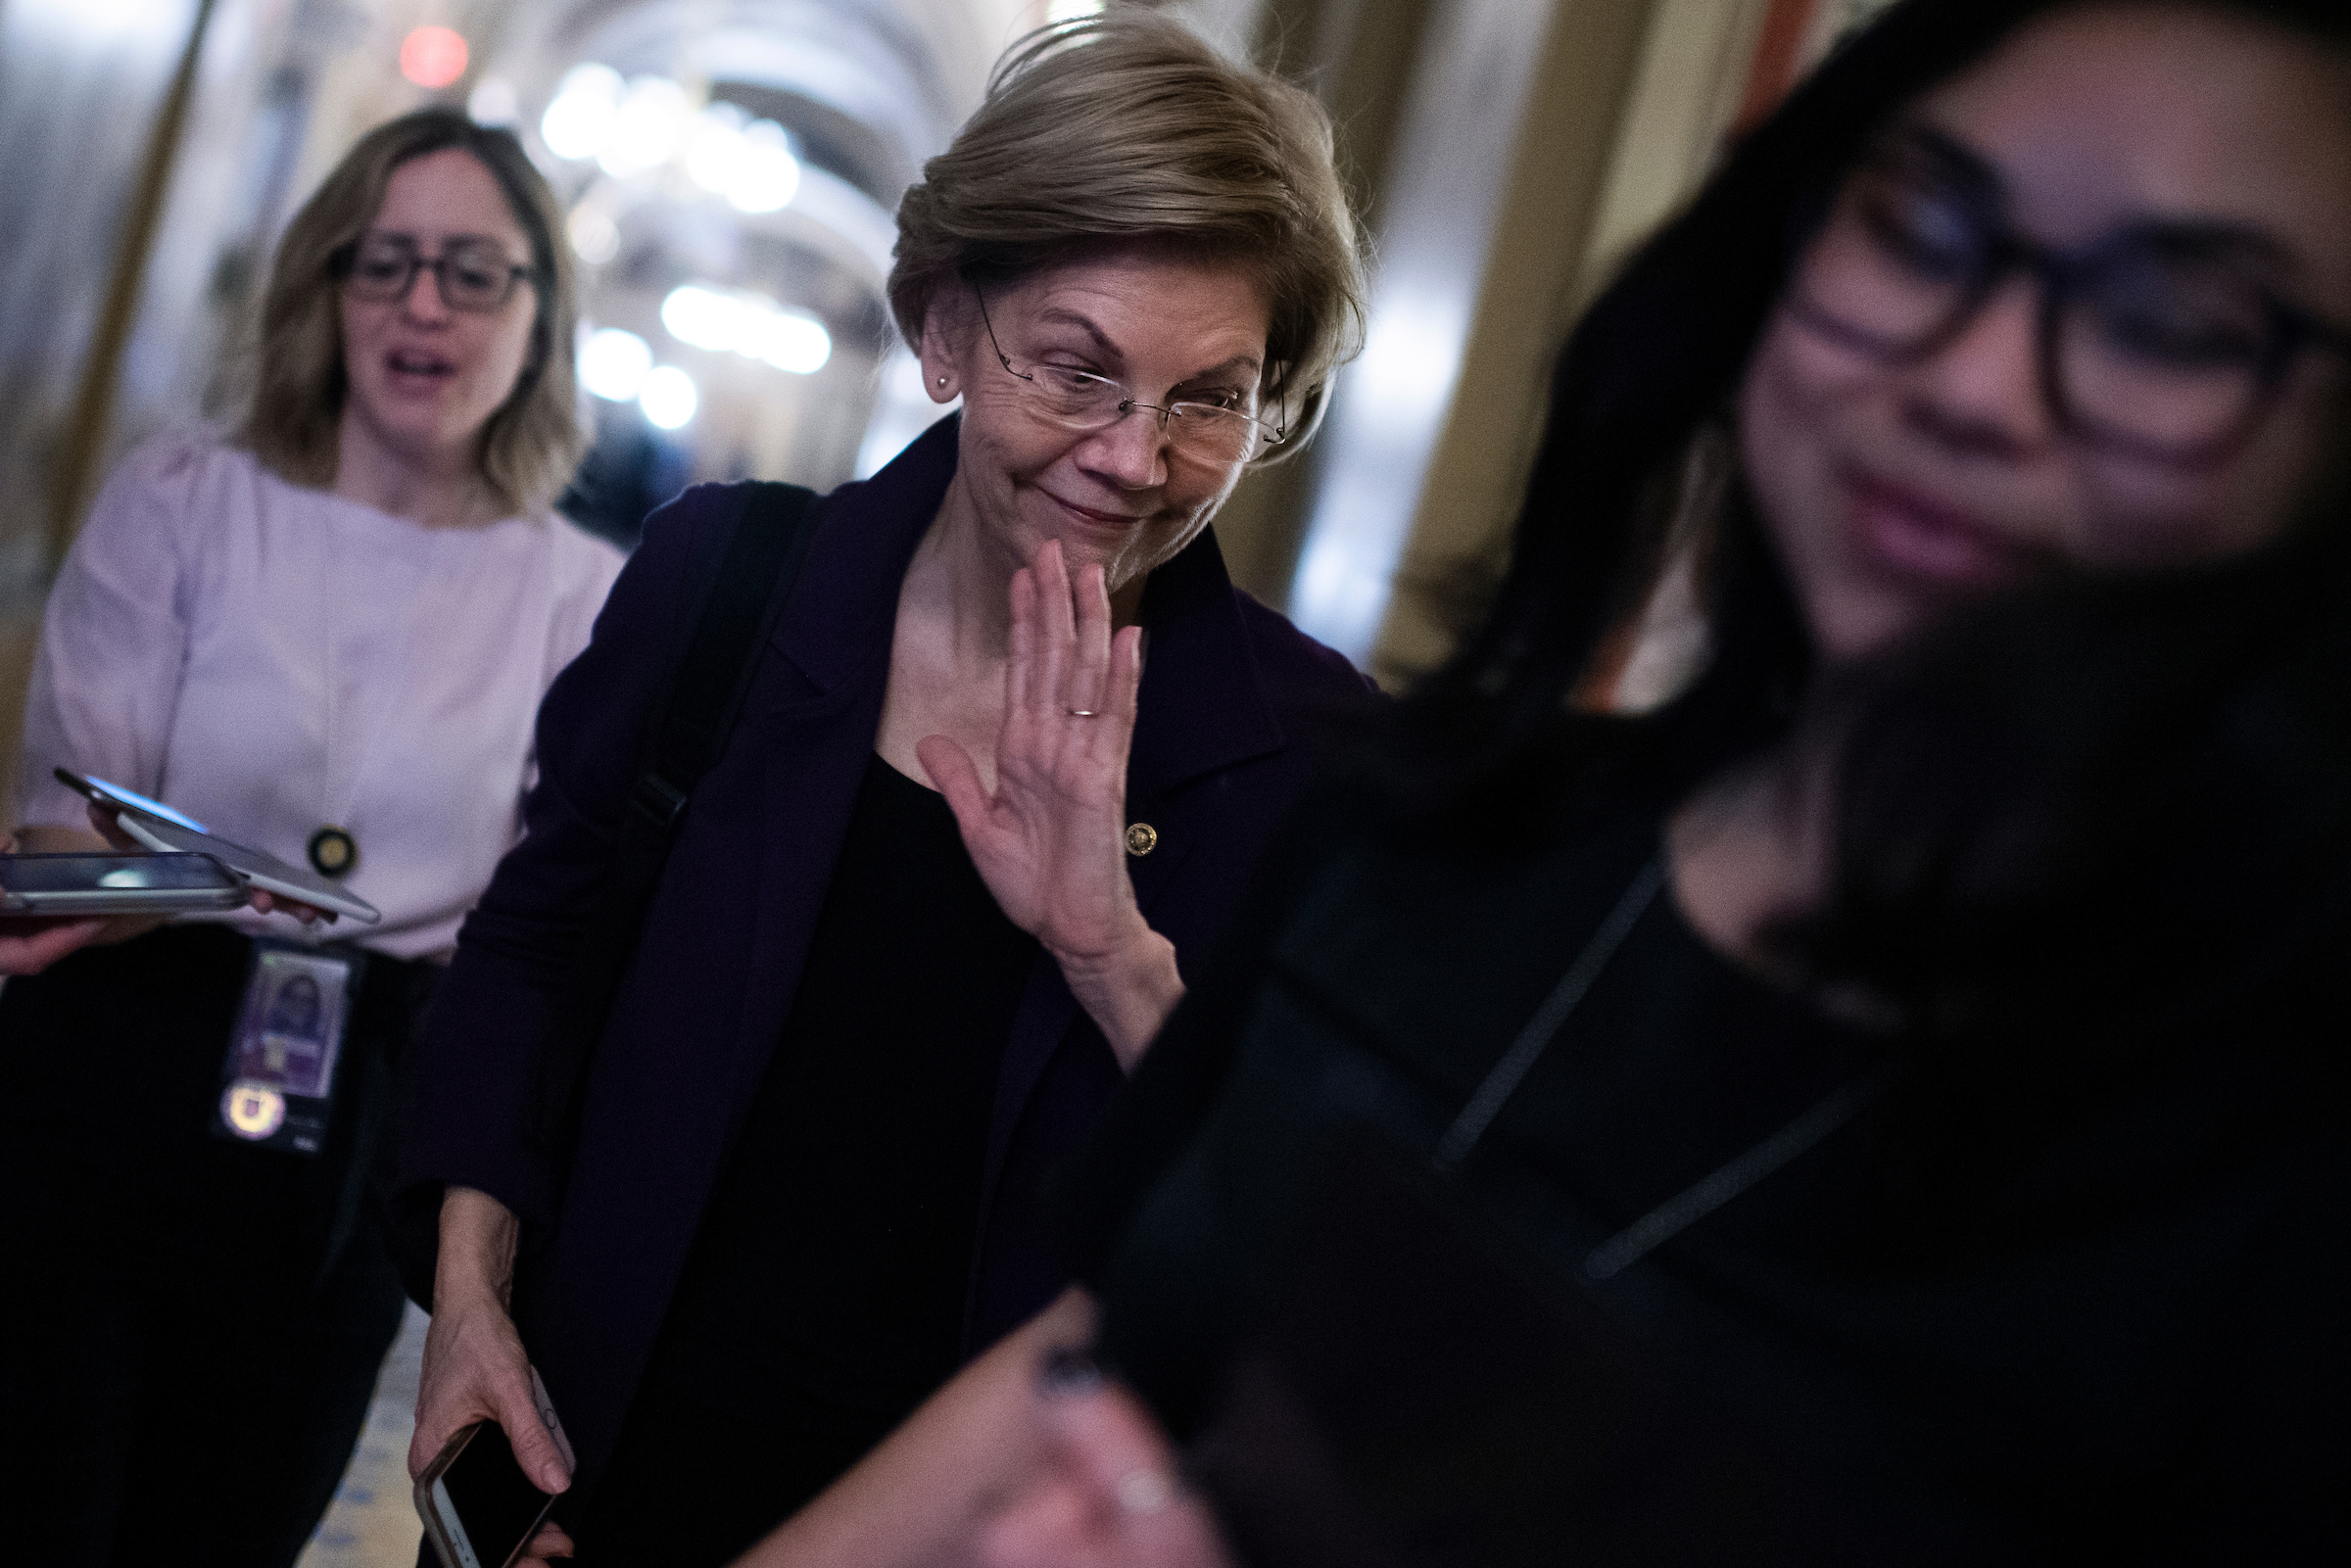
(166, 830)
(66, 884)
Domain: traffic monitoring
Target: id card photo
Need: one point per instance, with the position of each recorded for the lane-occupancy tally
(279, 1076)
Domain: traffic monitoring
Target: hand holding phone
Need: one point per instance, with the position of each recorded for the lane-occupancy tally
(106, 883)
(478, 1383)
(478, 1507)
(29, 946)
(53, 904)
(161, 828)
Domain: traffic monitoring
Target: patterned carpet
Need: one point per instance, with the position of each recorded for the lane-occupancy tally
(372, 1523)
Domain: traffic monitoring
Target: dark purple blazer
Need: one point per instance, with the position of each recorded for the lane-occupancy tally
(1230, 693)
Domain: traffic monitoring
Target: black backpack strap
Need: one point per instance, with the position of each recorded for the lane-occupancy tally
(690, 729)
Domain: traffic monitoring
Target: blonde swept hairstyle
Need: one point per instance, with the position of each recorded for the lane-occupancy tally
(1126, 126)
(534, 440)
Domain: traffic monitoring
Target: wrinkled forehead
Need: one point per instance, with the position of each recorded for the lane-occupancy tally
(2107, 115)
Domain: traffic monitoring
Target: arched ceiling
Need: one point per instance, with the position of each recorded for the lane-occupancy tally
(884, 82)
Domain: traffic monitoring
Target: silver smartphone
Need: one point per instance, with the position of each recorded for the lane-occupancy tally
(160, 828)
(479, 1509)
(83, 884)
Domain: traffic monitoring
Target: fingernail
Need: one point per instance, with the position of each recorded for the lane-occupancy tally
(553, 1479)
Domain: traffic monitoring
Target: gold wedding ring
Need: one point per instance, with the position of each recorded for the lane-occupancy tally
(1079, 713)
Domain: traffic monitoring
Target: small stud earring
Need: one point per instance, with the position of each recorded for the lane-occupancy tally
(942, 382)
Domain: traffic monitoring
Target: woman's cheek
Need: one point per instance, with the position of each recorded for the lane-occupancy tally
(1786, 407)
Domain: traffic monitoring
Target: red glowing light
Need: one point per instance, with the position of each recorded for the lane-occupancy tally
(432, 56)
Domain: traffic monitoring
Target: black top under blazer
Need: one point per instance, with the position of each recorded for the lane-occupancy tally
(1230, 695)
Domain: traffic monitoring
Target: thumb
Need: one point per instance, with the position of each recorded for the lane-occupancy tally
(952, 768)
(534, 1446)
(108, 826)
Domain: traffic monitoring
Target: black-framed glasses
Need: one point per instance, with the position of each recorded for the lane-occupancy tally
(472, 275)
(2160, 340)
(1214, 429)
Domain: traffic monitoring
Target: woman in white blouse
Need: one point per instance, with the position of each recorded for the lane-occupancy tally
(325, 639)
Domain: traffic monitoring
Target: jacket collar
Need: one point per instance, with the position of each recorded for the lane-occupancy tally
(1202, 705)
(838, 624)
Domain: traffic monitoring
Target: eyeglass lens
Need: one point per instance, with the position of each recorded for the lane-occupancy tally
(471, 274)
(1217, 431)
(1079, 400)
(2165, 347)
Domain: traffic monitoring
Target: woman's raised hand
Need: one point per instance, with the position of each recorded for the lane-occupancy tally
(1049, 840)
(1104, 1491)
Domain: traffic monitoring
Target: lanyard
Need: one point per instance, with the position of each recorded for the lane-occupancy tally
(1702, 1197)
(333, 847)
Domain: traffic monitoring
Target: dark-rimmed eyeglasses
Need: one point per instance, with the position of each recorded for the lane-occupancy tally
(2161, 340)
(471, 274)
(1211, 429)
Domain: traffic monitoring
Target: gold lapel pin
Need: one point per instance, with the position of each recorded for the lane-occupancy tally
(1141, 839)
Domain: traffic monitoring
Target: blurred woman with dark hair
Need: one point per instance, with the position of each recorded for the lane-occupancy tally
(324, 638)
(1883, 1102)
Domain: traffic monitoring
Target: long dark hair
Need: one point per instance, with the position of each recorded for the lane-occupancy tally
(2107, 807)
(2099, 790)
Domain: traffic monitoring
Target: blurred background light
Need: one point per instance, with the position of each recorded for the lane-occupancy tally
(792, 342)
(749, 325)
(766, 177)
(667, 396)
(714, 151)
(432, 56)
(1072, 10)
(594, 237)
(615, 365)
(585, 106)
(494, 103)
(652, 118)
(634, 127)
(704, 317)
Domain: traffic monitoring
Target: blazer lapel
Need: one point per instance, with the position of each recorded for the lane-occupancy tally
(810, 723)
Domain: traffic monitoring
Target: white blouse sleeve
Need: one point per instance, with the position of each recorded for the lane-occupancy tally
(114, 636)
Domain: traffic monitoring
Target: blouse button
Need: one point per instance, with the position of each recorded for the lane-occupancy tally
(1141, 839)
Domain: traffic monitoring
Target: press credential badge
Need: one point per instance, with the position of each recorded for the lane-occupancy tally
(278, 1081)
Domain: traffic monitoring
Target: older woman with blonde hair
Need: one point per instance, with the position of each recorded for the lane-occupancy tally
(324, 638)
(953, 861)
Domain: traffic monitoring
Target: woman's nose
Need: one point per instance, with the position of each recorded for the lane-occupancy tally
(422, 299)
(1131, 451)
(1982, 393)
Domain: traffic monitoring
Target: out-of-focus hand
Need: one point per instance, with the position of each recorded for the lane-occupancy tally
(266, 901)
(475, 1368)
(30, 945)
(1049, 840)
(108, 826)
(549, 1542)
(1106, 1495)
